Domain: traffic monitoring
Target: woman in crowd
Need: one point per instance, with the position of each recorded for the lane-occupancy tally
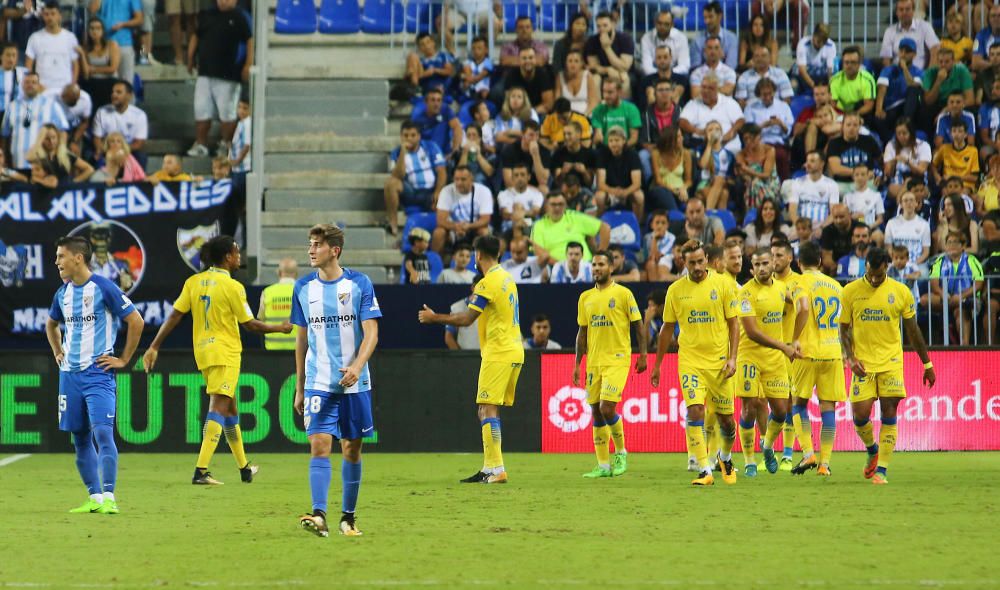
(672, 171)
(99, 63)
(577, 85)
(758, 34)
(516, 110)
(474, 155)
(119, 163)
(574, 38)
(52, 164)
(755, 165)
(954, 218)
(906, 155)
(767, 223)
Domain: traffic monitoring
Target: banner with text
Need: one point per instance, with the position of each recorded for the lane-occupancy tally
(960, 413)
(146, 239)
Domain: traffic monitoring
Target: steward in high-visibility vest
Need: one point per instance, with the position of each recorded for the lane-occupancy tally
(276, 306)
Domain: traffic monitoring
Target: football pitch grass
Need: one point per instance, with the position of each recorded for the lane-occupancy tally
(934, 526)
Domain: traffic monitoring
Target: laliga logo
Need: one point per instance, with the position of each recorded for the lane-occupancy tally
(568, 409)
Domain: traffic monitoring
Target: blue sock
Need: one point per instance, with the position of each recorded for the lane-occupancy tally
(614, 420)
(789, 450)
(107, 455)
(86, 461)
(746, 423)
(319, 481)
(599, 421)
(350, 474)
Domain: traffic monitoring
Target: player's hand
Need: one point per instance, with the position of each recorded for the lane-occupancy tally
(149, 359)
(729, 369)
(640, 364)
(576, 376)
(858, 368)
(108, 362)
(299, 403)
(426, 315)
(350, 377)
(798, 348)
(60, 357)
(654, 376)
(929, 377)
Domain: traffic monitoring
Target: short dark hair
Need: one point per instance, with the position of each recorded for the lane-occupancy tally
(958, 123)
(562, 105)
(77, 245)
(434, 90)
(877, 257)
(51, 4)
(604, 253)
(713, 252)
(604, 14)
(408, 125)
(329, 233)
(574, 245)
(214, 251)
(530, 124)
(657, 296)
(691, 246)
(462, 167)
(761, 251)
(659, 213)
(522, 18)
(571, 179)
(463, 246)
(7, 45)
(479, 39)
(488, 246)
(783, 243)
(901, 248)
(855, 49)
(421, 37)
(809, 254)
(539, 317)
(751, 129)
(713, 7)
(616, 248)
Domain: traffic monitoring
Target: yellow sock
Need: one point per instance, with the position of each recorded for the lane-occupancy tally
(234, 436)
(210, 439)
(696, 442)
(866, 433)
(747, 436)
(827, 436)
(492, 457)
(803, 431)
(726, 442)
(788, 435)
(618, 434)
(773, 429)
(602, 437)
(712, 438)
(886, 442)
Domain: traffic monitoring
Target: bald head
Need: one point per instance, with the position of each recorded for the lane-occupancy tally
(288, 268)
(841, 216)
(71, 94)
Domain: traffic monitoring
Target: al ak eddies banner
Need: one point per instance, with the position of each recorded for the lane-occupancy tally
(146, 239)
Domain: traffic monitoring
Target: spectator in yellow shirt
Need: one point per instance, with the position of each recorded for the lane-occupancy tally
(957, 158)
(172, 171)
(561, 115)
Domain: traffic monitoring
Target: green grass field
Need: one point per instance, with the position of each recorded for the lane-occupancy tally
(934, 526)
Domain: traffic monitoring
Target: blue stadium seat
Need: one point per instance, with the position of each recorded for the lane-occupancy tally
(676, 215)
(554, 15)
(465, 116)
(424, 219)
(419, 16)
(295, 17)
(436, 267)
(724, 215)
(339, 17)
(515, 10)
(382, 16)
(624, 229)
(750, 216)
(921, 135)
(800, 103)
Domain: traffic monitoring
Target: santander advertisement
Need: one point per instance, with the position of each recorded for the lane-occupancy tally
(961, 412)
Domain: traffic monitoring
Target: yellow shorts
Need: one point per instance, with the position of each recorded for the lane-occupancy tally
(878, 385)
(709, 387)
(221, 380)
(762, 381)
(606, 383)
(790, 371)
(497, 382)
(827, 375)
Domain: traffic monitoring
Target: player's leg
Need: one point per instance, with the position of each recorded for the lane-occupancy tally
(321, 419)
(355, 423)
(803, 376)
(497, 385)
(863, 396)
(73, 418)
(827, 436)
(748, 390)
(775, 381)
(712, 440)
(789, 428)
(218, 408)
(720, 402)
(601, 430)
(231, 422)
(890, 391)
(613, 382)
(695, 431)
(99, 398)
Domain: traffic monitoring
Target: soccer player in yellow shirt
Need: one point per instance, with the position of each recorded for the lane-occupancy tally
(495, 299)
(218, 307)
(704, 304)
(761, 367)
(873, 346)
(604, 315)
(782, 257)
(821, 366)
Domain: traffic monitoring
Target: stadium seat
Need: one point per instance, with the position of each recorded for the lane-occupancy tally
(419, 16)
(921, 135)
(424, 219)
(553, 15)
(624, 229)
(676, 215)
(515, 10)
(339, 17)
(295, 17)
(465, 116)
(725, 216)
(800, 103)
(382, 16)
(436, 267)
(750, 216)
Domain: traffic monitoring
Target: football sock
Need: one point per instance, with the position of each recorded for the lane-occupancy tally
(350, 474)
(617, 427)
(86, 462)
(712, 441)
(803, 430)
(602, 437)
(491, 444)
(865, 433)
(234, 436)
(747, 435)
(788, 435)
(696, 442)
(319, 481)
(727, 440)
(210, 439)
(827, 435)
(886, 443)
(107, 456)
(773, 429)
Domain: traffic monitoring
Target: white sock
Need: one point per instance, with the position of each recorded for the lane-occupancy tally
(605, 466)
(97, 498)
(109, 496)
(498, 470)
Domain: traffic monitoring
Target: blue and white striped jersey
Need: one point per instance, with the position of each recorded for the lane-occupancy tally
(241, 139)
(10, 84)
(91, 314)
(23, 120)
(420, 165)
(333, 312)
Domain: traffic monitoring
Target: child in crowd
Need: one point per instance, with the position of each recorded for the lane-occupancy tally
(957, 158)
(172, 171)
(716, 163)
(803, 233)
(865, 203)
(956, 39)
(657, 254)
(416, 265)
(221, 168)
(903, 269)
(476, 71)
(239, 149)
(953, 185)
(459, 273)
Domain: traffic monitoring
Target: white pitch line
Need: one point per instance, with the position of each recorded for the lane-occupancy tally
(13, 459)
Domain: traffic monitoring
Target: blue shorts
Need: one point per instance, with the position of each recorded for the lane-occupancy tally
(86, 399)
(341, 415)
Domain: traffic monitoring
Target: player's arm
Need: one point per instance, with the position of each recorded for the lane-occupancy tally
(581, 347)
(733, 324)
(259, 327)
(460, 320)
(801, 317)
(664, 340)
(352, 372)
(54, 334)
(847, 345)
(640, 335)
(135, 325)
(916, 339)
(149, 359)
(301, 344)
(754, 333)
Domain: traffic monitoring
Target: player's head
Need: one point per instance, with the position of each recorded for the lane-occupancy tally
(782, 256)
(877, 263)
(716, 258)
(487, 250)
(762, 264)
(326, 244)
(695, 260)
(221, 252)
(809, 256)
(733, 256)
(72, 255)
(541, 328)
(601, 265)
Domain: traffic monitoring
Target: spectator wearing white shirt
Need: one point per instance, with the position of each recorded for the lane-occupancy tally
(904, 156)
(910, 230)
(464, 209)
(124, 117)
(713, 106)
(521, 266)
(520, 202)
(761, 68)
(774, 117)
(79, 108)
(907, 26)
(52, 52)
(866, 204)
(24, 118)
(665, 35)
(463, 337)
(541, 327)
(459, 272)
(239, 150)
(573, 269)
(713, 65)
(11, 75)
(815, 57)
(812, 195)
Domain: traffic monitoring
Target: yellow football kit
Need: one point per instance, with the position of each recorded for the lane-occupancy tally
(502, 352)
(218, 305)
(607, 313)
(701, 310)
(762, 369)
(821, 365)
(874, 315)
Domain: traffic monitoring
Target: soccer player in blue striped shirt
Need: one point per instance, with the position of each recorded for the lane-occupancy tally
(338, 310)
(85, 316)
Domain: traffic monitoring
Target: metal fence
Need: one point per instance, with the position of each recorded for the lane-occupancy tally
(968, 322)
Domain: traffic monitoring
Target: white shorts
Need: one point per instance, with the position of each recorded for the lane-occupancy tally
(215, 96)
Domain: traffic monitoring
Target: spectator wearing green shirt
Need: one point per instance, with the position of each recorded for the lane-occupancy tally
(615, 112)
(962, 275)
(853, 87)
(558, 227)
(940, 81)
